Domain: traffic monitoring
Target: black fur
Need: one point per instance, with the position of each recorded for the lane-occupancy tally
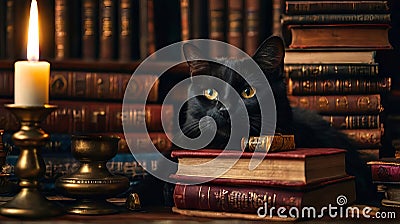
(309, 128)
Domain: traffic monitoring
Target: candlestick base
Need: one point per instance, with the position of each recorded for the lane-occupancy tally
(30, 167)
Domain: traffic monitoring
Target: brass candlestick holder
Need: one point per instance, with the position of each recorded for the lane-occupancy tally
(92, 183)
(29, 202)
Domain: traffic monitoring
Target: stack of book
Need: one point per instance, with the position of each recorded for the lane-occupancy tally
(386, 175)
(331, 66)
(217, 183)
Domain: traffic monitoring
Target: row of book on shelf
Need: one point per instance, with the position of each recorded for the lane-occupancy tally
(131, 29)
(331, 66)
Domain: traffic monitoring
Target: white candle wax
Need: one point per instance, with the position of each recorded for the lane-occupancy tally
(31, 84)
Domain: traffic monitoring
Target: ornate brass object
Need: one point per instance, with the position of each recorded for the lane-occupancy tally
(29, 203)
(92, 183)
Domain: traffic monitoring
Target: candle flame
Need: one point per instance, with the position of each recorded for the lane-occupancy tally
(33, 33)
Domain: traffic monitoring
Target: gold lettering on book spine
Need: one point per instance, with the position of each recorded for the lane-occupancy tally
(237, 200)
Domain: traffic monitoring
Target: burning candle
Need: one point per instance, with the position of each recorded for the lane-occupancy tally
(31, 84)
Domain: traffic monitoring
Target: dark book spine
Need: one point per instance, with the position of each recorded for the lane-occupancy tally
(125, 30)
(235, 23)
(21, 24)
(6, 84)
(89, 29)
(385, 172)
(185, 19)
(365, 138)
(337, 18)
(233, 199)
(3, 27)
(10, 26)
(327, 70)
(339, 104)
(277, 10)
(354, 121)
(217, 19)
(108, 30)
(338, 86)
(47, 29)
(198, 19)
(147, 31)
(62, 34)
(252, 26)
(321, 7)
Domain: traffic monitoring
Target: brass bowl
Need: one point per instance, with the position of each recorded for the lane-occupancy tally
(92, 183)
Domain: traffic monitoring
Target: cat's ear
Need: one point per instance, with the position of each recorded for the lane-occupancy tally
(270, 54)
(195, 59)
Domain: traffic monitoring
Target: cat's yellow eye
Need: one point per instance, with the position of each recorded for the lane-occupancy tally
(248, 92)
(210, 94)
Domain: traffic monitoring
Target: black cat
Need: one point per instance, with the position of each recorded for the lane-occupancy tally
(309, 128)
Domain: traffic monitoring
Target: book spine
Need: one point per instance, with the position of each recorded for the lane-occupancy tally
(277, 10)
(107, 30)
(235, 23)
(125, 20)
(339, 104)
(341, 7)
(89, 29)
(147, 31)
(10, 26)
(327, 70)
(385, 172)
(252, 26)
(365, 138)
(232, 199)
(185, 19)
(61, 29)
(338, 86)
(198, 19)
(353, 122)
(337, 18)
(217, 19)
(6, 84)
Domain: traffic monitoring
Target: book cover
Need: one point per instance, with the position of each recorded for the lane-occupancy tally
(248, 199)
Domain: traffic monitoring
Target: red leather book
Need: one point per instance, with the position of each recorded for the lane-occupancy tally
(385, 170)
(300, 165)
(248, 199)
